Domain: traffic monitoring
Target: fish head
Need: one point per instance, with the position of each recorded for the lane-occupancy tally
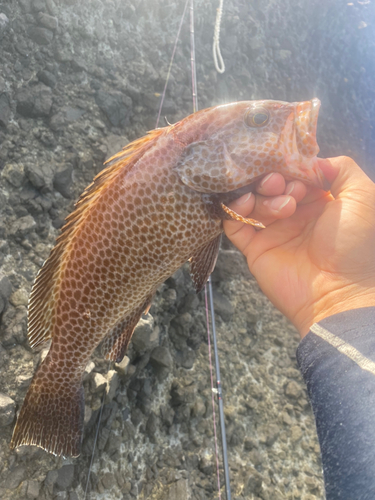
(239, 143)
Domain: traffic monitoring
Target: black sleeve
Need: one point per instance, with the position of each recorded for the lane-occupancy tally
(337, 361)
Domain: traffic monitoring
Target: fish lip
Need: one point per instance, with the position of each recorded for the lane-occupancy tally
(314, 113)
(309, 110)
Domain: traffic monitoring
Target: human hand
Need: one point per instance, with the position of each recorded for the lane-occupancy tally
(316, 256)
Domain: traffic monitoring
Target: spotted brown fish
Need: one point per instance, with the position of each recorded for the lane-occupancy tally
(158, 203)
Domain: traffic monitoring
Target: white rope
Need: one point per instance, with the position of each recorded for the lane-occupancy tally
(218, 60)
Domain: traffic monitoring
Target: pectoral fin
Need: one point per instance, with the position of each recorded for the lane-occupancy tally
(202, 263)
(238, 217)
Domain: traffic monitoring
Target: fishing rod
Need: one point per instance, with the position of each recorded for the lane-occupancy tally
(218, 390)
(209, 284)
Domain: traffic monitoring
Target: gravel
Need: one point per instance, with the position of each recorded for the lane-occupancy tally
(78, 81)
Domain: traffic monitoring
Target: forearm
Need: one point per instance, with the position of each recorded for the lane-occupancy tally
(337, 360)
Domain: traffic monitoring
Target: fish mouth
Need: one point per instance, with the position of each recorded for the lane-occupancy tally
(306, 121)
(301, 151)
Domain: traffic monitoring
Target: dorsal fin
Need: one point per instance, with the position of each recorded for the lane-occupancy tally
(40, 309)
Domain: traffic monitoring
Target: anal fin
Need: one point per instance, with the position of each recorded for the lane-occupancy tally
(117, 340)
(202, 263)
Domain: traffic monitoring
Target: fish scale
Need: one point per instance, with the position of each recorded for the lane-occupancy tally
(139, 221)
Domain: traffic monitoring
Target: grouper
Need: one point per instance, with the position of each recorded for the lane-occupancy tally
(158, 203)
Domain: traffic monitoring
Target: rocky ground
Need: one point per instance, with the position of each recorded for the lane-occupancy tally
(78, 80)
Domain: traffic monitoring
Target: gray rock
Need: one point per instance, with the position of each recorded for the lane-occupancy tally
(33, 488)
(62, 180)
(190, 303)
(113, 383)
(89, 368)
(123, 367)
(116, 106)
(14, 173)
(5, 109)
(4, 24)
(114, 144)
(184, 320)
(5, 287)
(34, 102)
(47, 78)
(178, 490)
(253, 483)
(145, 336)
(65, 477)
(51, 6)
(16, 476)
(296, 433)
(78, 64)
(206, 462)
(23, 380)
(161, 357)
(63, 495)
(42, 36)
(64, 116)
(108, 480)
(222, 306)
(38, 5)
(170, 297)
(50, 480)
(167, 415)
(63, 54)
(40, 175)
(47, 21)
(7, 410)
(88, 415)
(185, 358)
(272, 434)
(98, 383)
(199, 408)
(21, 227)
(19, 298)
(293, 390)
(152, 425)
(230, 264)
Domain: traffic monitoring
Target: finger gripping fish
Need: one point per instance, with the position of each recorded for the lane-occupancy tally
(157, 204)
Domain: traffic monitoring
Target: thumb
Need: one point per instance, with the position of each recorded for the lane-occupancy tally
(344, 175)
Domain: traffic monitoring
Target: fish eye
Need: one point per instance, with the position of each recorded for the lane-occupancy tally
(257, 117)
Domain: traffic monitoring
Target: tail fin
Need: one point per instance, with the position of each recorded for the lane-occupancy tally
(51, 416)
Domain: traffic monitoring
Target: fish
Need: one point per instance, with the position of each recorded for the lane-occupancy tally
(157, 204)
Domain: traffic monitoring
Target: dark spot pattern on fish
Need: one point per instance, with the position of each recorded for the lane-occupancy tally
(142, 218)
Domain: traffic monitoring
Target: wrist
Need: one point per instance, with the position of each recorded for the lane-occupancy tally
(346, 298)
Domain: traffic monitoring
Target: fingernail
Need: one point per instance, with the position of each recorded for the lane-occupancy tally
(290, 188)
(278, 203)
(243, 199)
(266, 178)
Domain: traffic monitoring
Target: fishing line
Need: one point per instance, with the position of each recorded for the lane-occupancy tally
(218, 59)
(192, 59)
(96, 437)
(217, 363)
(156, 126)
(218, 391)
(212, 392)
(170, 64)
(219, 397)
